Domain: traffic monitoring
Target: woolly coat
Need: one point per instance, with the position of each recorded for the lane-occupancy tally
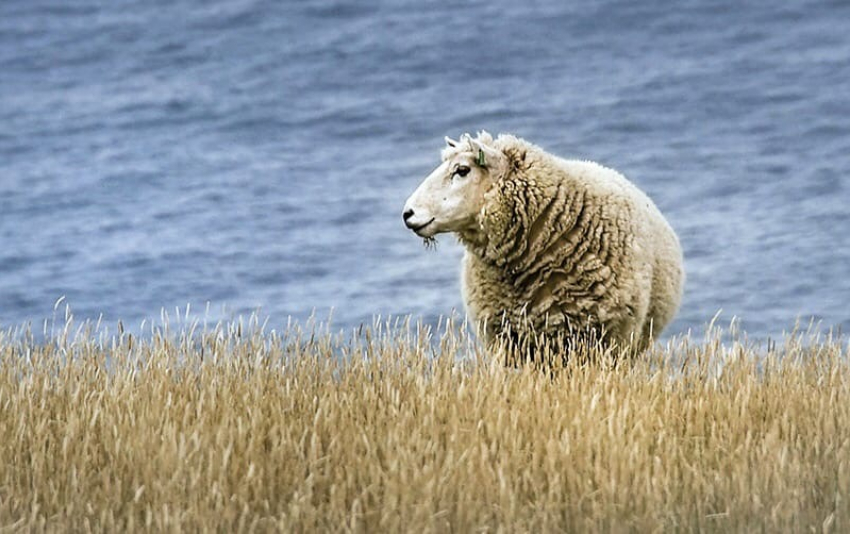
(564, 246)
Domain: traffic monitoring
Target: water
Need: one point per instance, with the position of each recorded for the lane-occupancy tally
(256, 155)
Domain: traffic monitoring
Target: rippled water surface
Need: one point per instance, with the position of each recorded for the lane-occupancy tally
(257, 154)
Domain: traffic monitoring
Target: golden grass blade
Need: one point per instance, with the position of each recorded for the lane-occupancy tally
(400, 427)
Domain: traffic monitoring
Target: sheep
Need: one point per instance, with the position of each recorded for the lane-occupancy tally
(553, 248)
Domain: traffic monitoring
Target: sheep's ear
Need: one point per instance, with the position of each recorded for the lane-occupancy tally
(450, 142)
(487, 156)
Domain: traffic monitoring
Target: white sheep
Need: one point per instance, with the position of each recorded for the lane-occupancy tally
(553, 246)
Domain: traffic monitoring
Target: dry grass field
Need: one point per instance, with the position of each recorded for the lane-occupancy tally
(395, 428)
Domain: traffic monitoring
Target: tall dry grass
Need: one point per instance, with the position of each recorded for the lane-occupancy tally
(395, 429)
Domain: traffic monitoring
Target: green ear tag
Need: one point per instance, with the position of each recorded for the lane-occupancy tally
(480, 158)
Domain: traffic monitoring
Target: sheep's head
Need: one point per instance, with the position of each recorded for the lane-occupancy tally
(451, 197)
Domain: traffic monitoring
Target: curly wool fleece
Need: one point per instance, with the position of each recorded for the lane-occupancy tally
(564, 246)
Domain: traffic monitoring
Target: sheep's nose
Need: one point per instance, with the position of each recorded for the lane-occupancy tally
(407, 214)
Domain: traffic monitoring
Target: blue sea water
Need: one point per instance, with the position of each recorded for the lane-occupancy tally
(257, 154)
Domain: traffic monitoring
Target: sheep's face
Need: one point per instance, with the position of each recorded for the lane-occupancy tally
(451, 197)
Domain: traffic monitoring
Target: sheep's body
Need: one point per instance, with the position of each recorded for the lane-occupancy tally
(566, 246)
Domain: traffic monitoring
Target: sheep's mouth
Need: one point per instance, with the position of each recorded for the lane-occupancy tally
(417, 229)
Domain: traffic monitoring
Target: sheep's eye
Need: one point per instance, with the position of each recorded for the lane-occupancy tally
(462, 171)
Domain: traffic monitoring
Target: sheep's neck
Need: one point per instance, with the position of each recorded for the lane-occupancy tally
(511, 225)
(494, 239)
(474, 239)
